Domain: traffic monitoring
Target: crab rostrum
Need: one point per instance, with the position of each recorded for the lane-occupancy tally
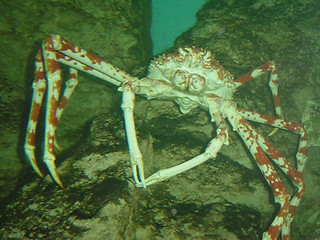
(192, 78)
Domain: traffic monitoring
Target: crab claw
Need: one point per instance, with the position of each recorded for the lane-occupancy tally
(154, 178)
(138, 172)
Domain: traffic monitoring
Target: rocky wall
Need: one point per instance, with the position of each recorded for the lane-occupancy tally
(224, 198)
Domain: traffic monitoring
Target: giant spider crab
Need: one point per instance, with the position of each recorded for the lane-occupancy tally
(192, 78)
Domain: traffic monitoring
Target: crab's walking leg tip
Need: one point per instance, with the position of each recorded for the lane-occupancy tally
(56, 177)
(273, 132)
(142, 181)
(36, 168)
(56, 145)
(32, 159)
(141, 185)
(53, 172)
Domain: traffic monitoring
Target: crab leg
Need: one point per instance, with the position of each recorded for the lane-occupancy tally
(71, 85)
(289, 170)
(53, 74)
(294, 174)
(54, 50)
(280, 194)
(210, 152)
(127, 106)
(259, 147)
(283, 124)
(273, 83)
(39, 88)
(82, 60)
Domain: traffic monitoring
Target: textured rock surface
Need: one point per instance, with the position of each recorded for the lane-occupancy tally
(101, 202)
(115, 30)
(226, 198)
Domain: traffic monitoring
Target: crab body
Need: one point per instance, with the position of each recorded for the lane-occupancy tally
(186, 77)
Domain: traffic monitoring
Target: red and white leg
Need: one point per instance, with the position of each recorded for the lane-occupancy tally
(39, 88)
(295, 174)
(281, 196)
(70, 86)
(78, 58)
(48, 75)
(273, 82)
(53, 75)
(297, 128)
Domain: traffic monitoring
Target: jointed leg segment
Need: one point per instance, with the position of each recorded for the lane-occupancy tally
(48, 77)
(210, 152)
(273, 83)
(127, 106)
(260, 148)
(39, 88)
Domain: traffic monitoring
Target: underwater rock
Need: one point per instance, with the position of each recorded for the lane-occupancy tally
(212, 201)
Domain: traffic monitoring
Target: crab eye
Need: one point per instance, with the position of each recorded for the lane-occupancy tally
(193, 83)
(197, 83)
(180, 80)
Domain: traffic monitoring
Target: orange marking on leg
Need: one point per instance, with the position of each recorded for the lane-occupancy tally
(245, 78)
(276, 100)
(52, 65)
(30, 138)
(35, 113)
(63, 102)
(67, 46)
(303, 151)
(275, 81)
(52, 120)
(275, 71)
